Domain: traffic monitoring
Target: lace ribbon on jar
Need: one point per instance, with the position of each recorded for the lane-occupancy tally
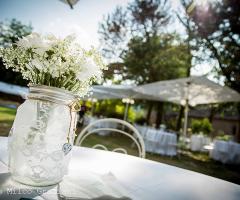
(40, 125)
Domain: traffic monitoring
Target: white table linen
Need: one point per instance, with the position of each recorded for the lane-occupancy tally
(226, 152)
(107, 124)
(89, 119)
(198, 142)
(158, 141)
(144, 179)
(91, 186)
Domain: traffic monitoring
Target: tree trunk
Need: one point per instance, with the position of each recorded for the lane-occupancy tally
(179, 119)
(159, 113)
(238, 132)
(150, 106)
(212, 113)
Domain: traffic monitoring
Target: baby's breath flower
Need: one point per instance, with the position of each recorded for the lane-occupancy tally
(48, 60)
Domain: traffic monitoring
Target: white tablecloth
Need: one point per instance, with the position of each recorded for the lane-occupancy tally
(107, 124)
(226, 152)
(198, 142)
(89, 119)
(158, 141)
(145, 179)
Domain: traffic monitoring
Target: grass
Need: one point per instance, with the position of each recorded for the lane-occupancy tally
(199, 162)
(7, 116)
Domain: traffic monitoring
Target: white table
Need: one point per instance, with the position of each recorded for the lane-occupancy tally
(158, 141)
(107, 124)
(146, 179)
(226, 152)
(198, 142)
(89, 119)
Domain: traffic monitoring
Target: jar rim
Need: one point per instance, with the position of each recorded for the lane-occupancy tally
(52, 87)
(51, 93)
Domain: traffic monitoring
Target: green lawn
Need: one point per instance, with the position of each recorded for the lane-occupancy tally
(7, 116)
(199, 162)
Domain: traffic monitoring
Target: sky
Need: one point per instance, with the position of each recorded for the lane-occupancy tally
(54, 16)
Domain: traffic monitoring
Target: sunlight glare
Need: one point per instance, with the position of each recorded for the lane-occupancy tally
(202, 2)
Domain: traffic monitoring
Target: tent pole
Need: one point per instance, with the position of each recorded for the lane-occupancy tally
(126, 112)
(92, 108)
(186, 111)
(185, 120)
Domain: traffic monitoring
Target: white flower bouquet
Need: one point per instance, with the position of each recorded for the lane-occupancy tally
(43, 131)
(47, 60)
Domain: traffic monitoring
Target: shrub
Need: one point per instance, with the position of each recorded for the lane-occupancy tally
(223, 136)
(202, 126)
(115, 108)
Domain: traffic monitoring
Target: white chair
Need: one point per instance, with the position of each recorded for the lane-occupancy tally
(121, 126)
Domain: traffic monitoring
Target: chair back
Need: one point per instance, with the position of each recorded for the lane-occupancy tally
(107, 126)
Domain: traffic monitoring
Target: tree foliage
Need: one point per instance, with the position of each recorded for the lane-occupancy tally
(10, 32)
(140, 19)
(216, 26)
(136, 39)
(136, 36)
(157, 58)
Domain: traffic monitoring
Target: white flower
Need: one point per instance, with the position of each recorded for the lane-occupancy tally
(33, 40)
(56, 62)
(40, 51)
(38, 64)
(89, 69)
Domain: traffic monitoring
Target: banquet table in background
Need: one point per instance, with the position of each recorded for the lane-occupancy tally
(158, 141)
(89, 119)
(144, 179)
(226, 152)
(198, 142)
(107, 124)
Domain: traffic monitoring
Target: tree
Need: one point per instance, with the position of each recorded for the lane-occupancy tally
(140, 19)
(10, 31)
(191, 45)
(145, 53)
(160, 58)
(216, 29)
(153, 60)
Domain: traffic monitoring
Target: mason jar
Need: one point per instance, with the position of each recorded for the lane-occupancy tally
(42, 136)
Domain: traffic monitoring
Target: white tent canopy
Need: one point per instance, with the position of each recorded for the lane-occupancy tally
(114, 91)
(189, 91)
(185, 91)
(118, 92)
(13, 89)
(100, 95)
(196, 90)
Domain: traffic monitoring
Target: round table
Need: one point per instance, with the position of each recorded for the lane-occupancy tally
(146, 179)
(198, 142)
(226, 152)
(158, 141)
(106, 124)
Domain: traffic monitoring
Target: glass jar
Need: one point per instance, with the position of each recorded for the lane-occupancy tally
(42, 136)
